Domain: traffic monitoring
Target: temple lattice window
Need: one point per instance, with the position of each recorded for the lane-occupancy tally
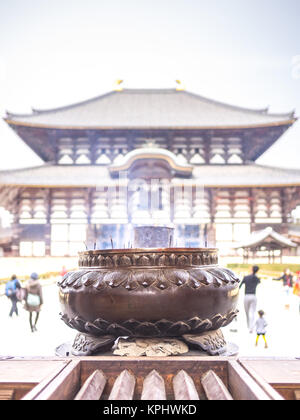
(120, 148)
(182, 204)
(32, 249)
(65, 151)
(197, 151)
(33, 207)
(268, 207)
(234, 151)
(68, 222)
(82, 152)
(217, 151)
(201, 207)
(102, 151)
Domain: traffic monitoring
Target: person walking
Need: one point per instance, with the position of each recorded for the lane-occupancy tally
(11, 291)
(287, 282)
(250, 301)
(261, 328)
(33, 299)
(63, 271)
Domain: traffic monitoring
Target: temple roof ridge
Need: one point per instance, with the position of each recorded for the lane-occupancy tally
(261, 236)
(265, 110)
(153, 108)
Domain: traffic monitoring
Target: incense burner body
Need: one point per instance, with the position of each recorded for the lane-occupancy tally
(148, 293)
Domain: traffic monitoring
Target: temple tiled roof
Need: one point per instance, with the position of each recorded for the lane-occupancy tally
(151, 108)
(246, 175)
(267, 236)
(208, 175)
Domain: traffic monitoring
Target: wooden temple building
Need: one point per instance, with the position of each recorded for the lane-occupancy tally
(140, 156)
(266, 242)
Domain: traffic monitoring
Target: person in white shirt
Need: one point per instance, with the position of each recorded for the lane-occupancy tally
(261, 328)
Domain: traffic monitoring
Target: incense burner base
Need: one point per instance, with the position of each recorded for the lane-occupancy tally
(211, 343)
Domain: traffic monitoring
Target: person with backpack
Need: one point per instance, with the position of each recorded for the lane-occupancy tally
(33, 299)
(11, 291)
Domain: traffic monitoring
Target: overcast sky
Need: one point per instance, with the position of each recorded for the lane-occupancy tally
(57, 52)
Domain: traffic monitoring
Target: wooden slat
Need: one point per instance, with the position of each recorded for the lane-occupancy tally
(166, 366)
(242, 386)
(93, 387)
(154, 387)
(214, 387)
(184, 387)
(123, 388)
(275, 371)
(65, 385)
(297, 395)
(6, 394)
(269, 390)
(28, 371)
(35, 391)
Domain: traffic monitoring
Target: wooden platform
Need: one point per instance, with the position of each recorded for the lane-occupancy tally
(172, 378)
(282, 374)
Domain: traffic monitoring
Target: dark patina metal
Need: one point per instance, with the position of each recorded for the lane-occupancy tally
(148, 293)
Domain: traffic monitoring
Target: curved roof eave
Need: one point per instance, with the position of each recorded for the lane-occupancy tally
(229, 127)
(183, 110)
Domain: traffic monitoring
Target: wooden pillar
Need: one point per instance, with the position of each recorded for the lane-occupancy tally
(92, 137)
(48, 200)
(53, 140)
(251, 207)
(212, 206)
(16, 228)
(207, 143)
(172, 204)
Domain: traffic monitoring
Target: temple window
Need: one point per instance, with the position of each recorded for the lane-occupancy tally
(201, 208)
(182, 203)
(32, 249)
(197, 158)
(82, 151)
(267, 207)
(67, 239)
(102, 151)
(65, 151)
(118, 206)
(120, 148)
(103, 158)
(32, 210)
(224, 238)
(197, 151)
(234, 151)
(241, 209)
(217, 151)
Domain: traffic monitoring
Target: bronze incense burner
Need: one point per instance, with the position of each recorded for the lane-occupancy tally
(159, 292)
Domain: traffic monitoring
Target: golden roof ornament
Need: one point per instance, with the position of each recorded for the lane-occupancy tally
(118, 86)
(179, 85)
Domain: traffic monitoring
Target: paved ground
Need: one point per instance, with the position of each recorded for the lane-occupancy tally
(283, 335)
(283, 331)
(16, 336)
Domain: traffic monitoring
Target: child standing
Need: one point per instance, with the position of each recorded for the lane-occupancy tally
(261, 328)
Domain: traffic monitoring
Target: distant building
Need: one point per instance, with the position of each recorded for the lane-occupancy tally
(163, 134)
(5, 239)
